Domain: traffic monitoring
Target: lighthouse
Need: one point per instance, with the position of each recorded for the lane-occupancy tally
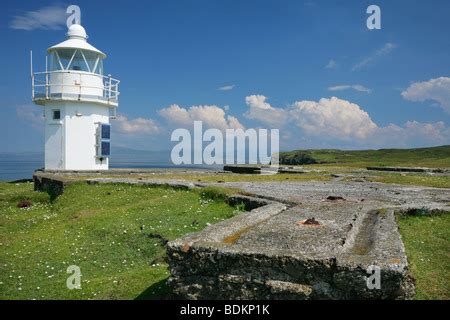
(78, 101)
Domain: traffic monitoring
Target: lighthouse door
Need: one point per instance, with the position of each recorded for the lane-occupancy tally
(53, 147)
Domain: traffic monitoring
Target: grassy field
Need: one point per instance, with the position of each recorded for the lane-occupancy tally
(114, 233)
(326, 174)
(425, 180)
(435, 157)
(428, 249)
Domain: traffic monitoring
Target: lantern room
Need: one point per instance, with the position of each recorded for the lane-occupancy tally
(74, 70)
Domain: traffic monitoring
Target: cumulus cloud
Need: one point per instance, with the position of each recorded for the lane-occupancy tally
(227, 88)
(435, 89)
(356, 87)
(47, 18)
(411, 134)
(211, 116)
(334, 118)
(333, 122)
(135, 126)
(261, 110)
(370, 60)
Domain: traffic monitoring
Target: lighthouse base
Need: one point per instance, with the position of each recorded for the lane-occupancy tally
(71, 136)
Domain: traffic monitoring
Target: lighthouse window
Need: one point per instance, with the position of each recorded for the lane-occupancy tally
(103, 138)
(106, 149)
(78, 63)
(62, 58)
(56, 115)
(93, 60)
(106, 131)
(54, 62)
(76, 60)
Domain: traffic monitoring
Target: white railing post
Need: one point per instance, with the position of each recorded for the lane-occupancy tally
(46, 86)
(32, 86)
(32, 74)
(109, 88)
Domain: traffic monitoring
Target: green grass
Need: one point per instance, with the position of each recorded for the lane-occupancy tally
(247, 177)
(411, 179)
(107, 230)
(426, 240)
(422, 157)
(419, 179)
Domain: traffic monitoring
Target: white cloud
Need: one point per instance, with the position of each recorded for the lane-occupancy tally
(47, 18)
(331, 118)
(212, 117)
(411, 134)
(227, 88)
(356, 87)
(261, 110)
(384, 51)
(135, 126)
(32, 115)
(333, 122)
(435, 89)
(332, 64)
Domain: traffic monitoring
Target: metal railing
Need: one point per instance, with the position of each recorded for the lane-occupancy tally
(43, 88)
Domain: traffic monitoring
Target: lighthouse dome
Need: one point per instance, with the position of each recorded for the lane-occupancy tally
(76, 31)
(76, 40)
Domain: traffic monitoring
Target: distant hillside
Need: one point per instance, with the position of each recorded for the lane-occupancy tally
(427, 157)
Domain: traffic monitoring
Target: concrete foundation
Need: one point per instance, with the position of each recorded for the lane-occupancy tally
(321, 247)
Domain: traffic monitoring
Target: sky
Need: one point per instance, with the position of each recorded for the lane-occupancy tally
(311, 69)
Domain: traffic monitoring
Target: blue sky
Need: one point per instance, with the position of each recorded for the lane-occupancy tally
(264, 64)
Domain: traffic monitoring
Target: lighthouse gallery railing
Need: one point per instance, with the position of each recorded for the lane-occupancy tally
(44, 88)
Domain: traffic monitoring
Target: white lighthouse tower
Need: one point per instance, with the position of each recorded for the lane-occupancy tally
(78, 101)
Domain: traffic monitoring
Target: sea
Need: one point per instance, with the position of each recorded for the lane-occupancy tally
(21, 165)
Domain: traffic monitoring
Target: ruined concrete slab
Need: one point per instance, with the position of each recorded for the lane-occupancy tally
(280, 256)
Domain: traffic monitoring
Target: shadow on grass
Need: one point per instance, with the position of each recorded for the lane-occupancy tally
(157, 291)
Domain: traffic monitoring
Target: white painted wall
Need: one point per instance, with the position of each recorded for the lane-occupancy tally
(75, 83)
(70, 144)
(54, 143)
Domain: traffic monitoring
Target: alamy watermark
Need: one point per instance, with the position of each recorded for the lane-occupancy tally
(74, 13)
(373, 280)
(236, 146)
(374, 20)
(74, 280)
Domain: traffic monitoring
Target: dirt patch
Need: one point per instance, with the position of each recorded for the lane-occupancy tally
(84, 214)
(335, 198)
(235, 236)
(23, 204)
(311, 222)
